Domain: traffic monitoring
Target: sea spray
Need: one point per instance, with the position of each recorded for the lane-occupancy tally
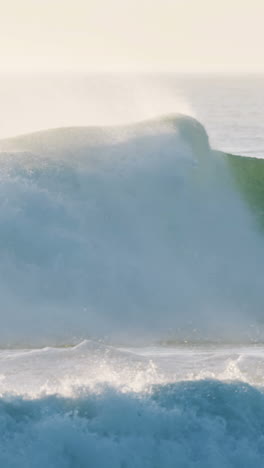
(129, 232)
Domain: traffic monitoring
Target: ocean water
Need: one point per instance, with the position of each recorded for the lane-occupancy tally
(131, 272)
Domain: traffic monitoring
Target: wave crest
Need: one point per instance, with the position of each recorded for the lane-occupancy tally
(139, 231)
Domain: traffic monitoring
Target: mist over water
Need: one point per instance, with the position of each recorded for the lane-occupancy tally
(131, 234)
(131, 283)
(33, 102)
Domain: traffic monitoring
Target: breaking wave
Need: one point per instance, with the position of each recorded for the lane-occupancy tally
(129, 233)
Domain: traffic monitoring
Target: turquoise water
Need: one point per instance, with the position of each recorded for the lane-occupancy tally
(150, 407)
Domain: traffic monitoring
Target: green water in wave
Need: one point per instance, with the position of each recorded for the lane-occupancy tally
(249, 176)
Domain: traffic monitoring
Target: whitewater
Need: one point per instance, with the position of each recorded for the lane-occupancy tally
(94, 405)
(131, 285)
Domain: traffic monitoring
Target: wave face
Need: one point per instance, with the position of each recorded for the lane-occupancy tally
(136, 232)
(135, 412)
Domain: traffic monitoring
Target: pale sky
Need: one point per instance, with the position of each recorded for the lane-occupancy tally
(181, 35)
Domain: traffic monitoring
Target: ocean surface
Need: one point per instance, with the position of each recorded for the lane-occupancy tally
(131, 271)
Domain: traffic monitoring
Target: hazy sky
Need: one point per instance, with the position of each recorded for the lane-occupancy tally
(182, 35)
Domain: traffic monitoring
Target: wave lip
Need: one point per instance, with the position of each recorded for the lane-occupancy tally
(75, 139)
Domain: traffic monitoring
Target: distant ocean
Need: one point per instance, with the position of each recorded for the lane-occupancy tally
(231, 108)
(131, 271)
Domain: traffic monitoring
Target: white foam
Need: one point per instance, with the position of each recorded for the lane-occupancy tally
(97, 405)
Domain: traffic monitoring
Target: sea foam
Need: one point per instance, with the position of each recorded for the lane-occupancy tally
(99, 406)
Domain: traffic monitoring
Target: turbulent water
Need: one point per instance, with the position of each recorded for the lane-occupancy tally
(135, 253)
(100, 406)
